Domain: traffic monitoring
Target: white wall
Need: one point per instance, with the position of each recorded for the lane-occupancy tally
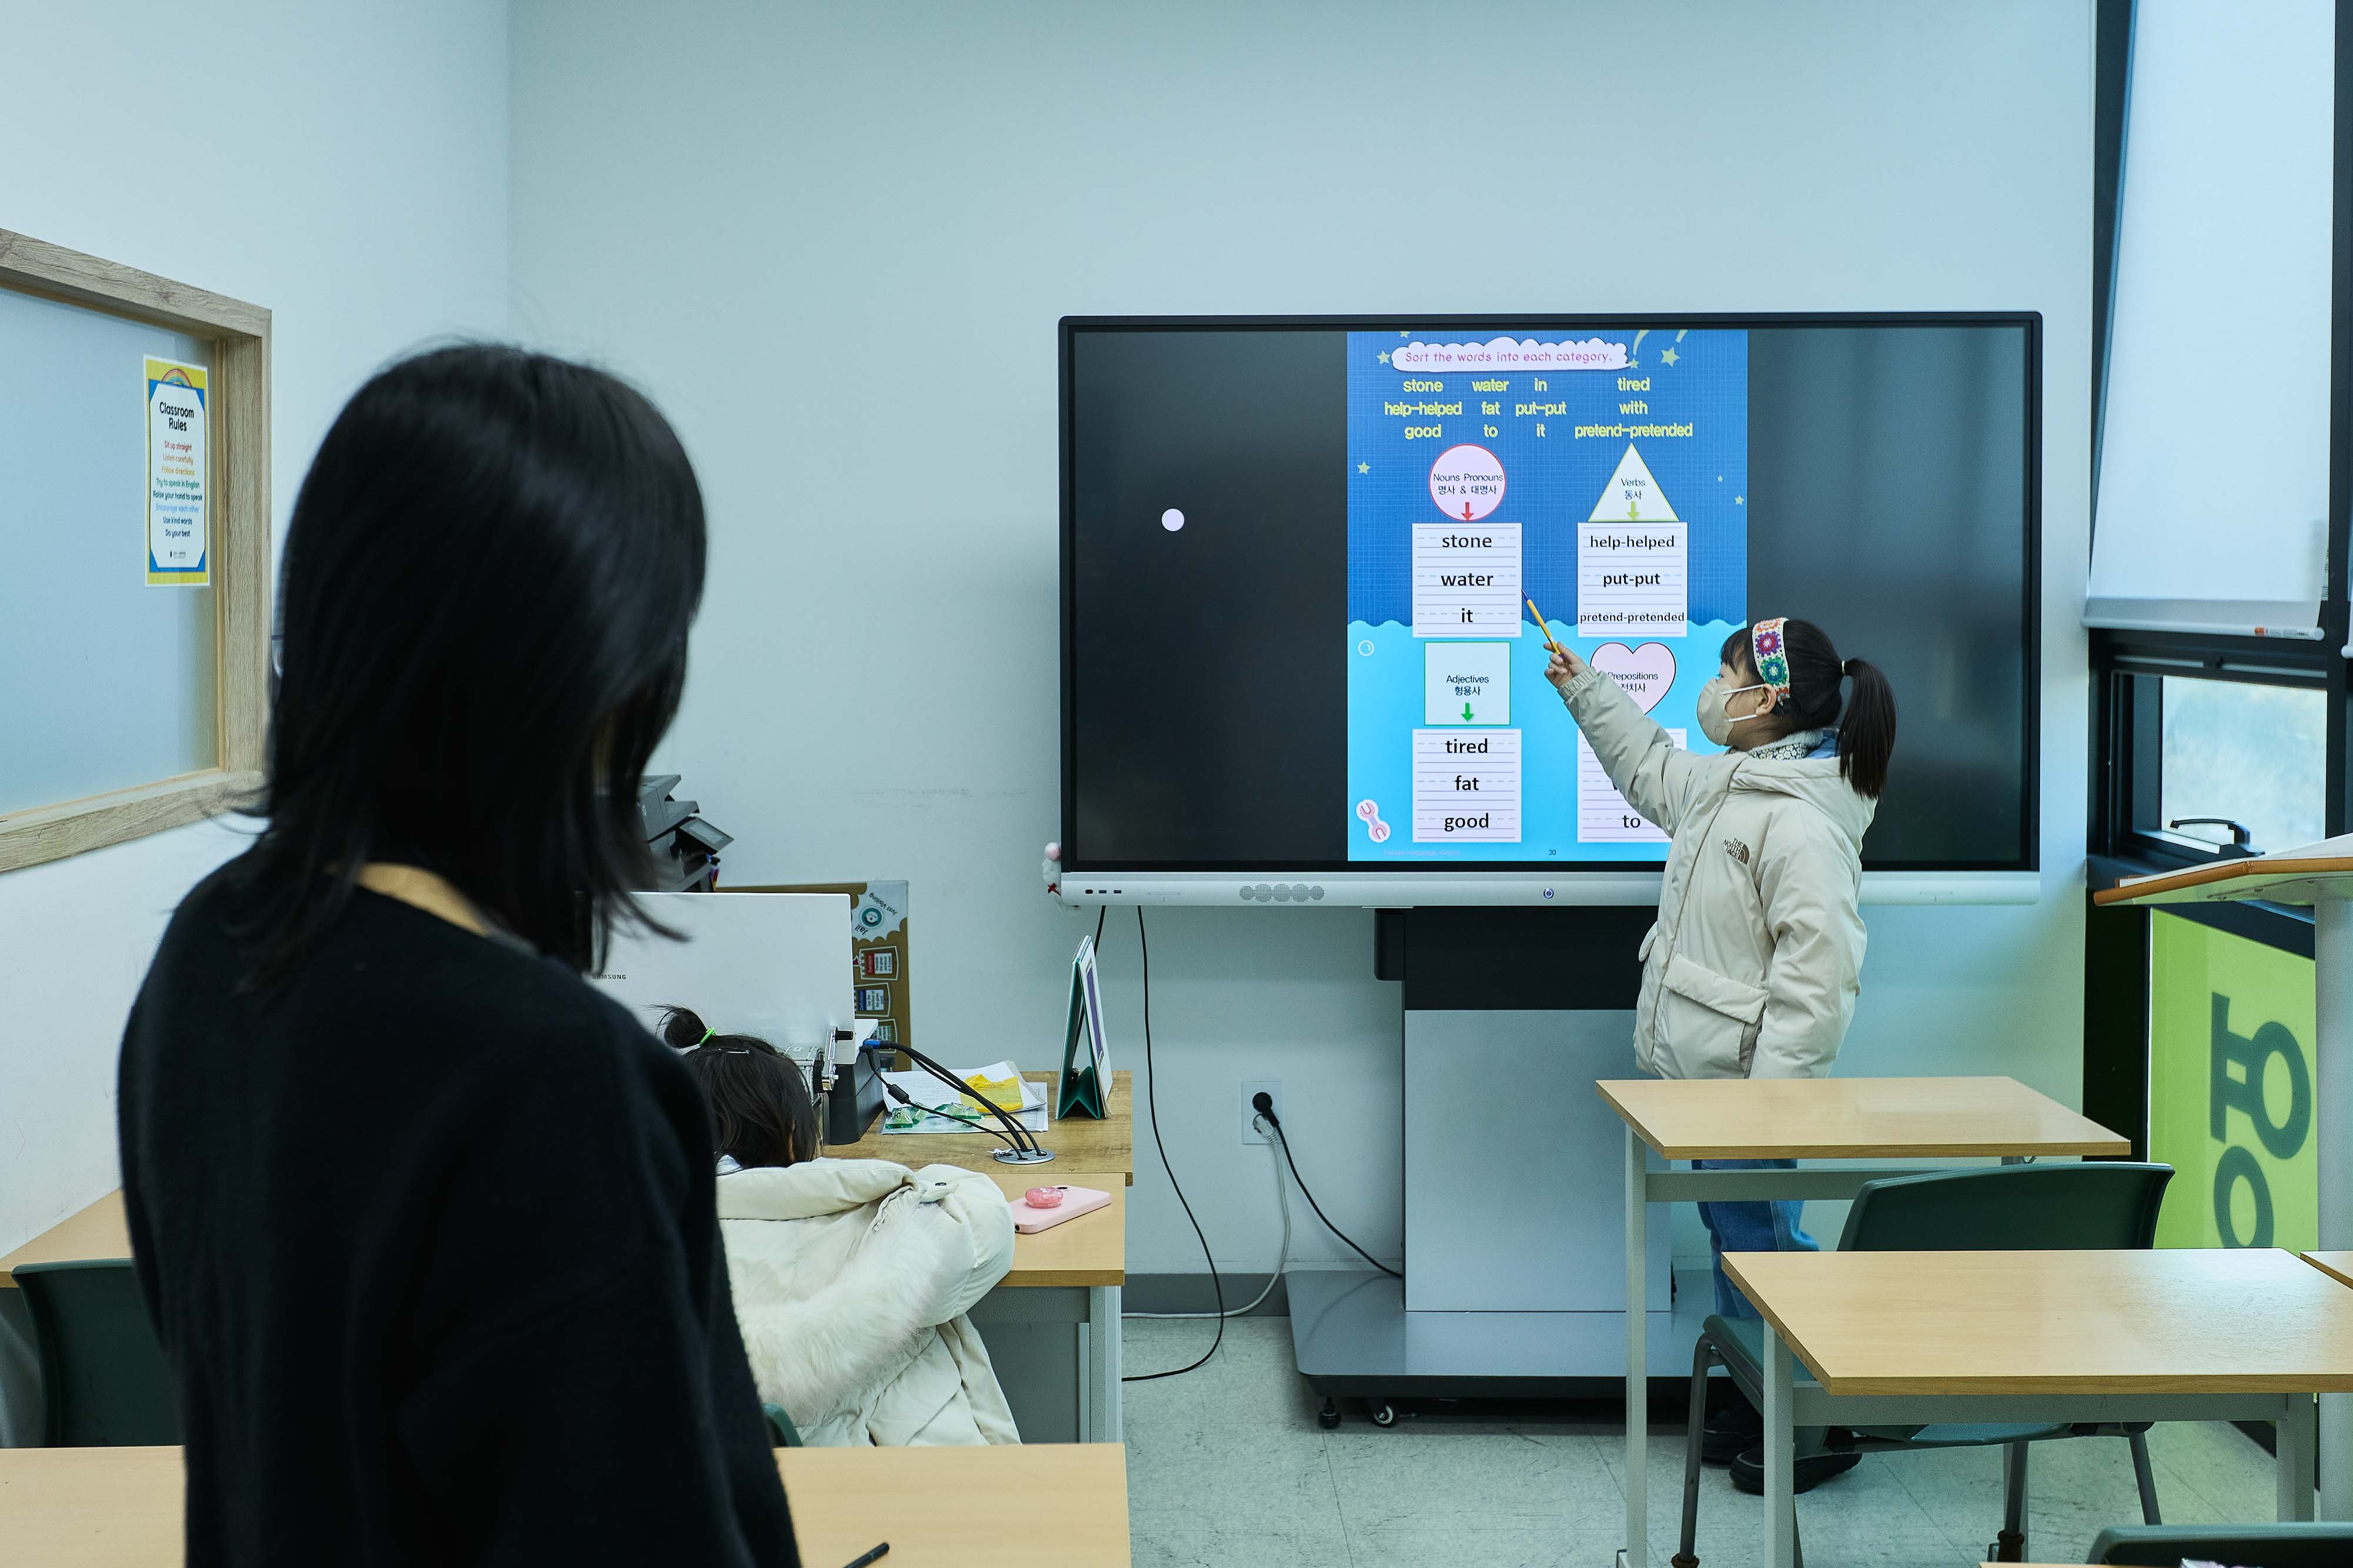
(833, 242)
(343, 166)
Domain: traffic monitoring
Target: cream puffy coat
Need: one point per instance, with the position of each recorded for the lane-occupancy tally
(1754, 965)
(851, 1280)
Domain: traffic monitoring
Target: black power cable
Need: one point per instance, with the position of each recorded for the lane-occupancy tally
(1264, 1104)
(1152, 1105)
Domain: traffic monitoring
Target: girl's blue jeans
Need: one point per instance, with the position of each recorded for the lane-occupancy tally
(1755, 1226)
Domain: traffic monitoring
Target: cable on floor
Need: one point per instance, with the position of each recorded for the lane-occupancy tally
(1151, 1108)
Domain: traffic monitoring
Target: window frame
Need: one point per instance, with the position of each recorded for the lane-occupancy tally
(238, 336)
(2127, 775)
(2126, 748)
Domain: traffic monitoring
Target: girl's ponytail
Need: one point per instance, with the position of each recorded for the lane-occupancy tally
(1867, 735)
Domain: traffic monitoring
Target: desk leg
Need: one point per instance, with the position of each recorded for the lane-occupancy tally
(1103, 1422)
(2292, 1457)
(1638, 1378)
(2332, 1085)
(1780, 1439)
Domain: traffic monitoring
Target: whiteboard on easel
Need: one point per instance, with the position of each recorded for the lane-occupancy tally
(773, 965)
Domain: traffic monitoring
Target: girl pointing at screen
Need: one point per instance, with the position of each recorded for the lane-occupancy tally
(1753, 967)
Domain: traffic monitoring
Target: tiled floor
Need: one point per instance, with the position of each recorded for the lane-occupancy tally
(1227, 1469)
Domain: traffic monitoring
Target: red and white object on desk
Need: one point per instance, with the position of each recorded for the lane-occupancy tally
(1042, 1208)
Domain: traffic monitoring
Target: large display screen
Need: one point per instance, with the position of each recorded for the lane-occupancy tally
(1302, 562)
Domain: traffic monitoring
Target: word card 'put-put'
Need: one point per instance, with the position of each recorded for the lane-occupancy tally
(1633, 565)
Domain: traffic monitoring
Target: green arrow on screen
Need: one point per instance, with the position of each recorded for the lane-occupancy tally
(1466, 713)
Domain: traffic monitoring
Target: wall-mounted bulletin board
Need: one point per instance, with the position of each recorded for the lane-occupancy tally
(134, 552)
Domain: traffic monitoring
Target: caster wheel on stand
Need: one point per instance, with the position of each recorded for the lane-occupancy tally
(1329, 1416)
(1383, 1413)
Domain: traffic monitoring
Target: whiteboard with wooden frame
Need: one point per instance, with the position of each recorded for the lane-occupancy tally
(134, 552)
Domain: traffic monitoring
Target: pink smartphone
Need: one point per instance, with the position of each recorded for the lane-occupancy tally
(1076, 1201)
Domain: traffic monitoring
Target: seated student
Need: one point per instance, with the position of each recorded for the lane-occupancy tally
(851, 1278)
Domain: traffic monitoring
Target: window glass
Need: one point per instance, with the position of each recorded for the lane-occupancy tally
(2256, 754)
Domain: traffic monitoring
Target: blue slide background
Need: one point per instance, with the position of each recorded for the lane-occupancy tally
(1551, 485)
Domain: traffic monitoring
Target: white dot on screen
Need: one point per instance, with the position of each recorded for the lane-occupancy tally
(1172, 520)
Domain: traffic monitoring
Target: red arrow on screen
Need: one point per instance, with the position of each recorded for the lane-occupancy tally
(1466, 511)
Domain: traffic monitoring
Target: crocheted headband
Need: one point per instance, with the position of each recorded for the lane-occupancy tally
(1772, 658)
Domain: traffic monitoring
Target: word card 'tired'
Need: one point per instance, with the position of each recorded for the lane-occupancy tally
(1466, 787)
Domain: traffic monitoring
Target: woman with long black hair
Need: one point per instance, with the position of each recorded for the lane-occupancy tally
(425, 1222)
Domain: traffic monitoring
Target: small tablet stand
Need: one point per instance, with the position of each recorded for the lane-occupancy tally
(1086, 1077)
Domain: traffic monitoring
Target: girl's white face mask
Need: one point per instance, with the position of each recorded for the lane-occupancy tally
(1714, 721)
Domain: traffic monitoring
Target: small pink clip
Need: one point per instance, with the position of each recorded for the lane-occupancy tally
(1043, 1198)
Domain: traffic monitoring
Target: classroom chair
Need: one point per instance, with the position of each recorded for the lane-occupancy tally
(2103, 1205)
(782, 1433)
(2327, 1543)
(103, 1380)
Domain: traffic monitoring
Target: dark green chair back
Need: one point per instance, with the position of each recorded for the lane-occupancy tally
(103, 1380)
(2329, 1544)
(781, 1432)
(2009, 1208)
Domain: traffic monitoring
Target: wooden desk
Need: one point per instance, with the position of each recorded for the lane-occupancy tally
(1071, 1275)
(98, 1231)
(1851, 1119)
(120, 1507)
(1080, 1143)
(1089, 1251)
(1802, 1119)
(2338, 1264)
(1898, 1338)
(1081, 1265)
(1085, 1252)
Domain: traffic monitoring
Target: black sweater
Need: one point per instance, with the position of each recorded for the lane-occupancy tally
(428, 1235)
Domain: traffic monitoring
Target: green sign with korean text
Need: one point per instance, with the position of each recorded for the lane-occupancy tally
(2229, 1089)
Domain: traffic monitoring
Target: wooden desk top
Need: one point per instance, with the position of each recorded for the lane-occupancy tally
(1080, 1144)
(2274, 877)
(1088, 1250)
(1091, 1250)
(2258, 1320)
(98, 1231)
(1850, 1118)
(120, 1507)
(1066, 1504)
(2338, 1264)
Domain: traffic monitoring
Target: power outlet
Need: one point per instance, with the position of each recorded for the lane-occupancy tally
(1272, 1088)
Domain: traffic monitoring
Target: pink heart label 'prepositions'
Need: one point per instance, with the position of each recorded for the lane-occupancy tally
(1645, 672)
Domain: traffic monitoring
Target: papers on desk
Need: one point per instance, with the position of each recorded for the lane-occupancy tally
(932, 1094)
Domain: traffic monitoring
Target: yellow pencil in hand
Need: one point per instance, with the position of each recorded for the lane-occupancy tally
(1545, 630)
